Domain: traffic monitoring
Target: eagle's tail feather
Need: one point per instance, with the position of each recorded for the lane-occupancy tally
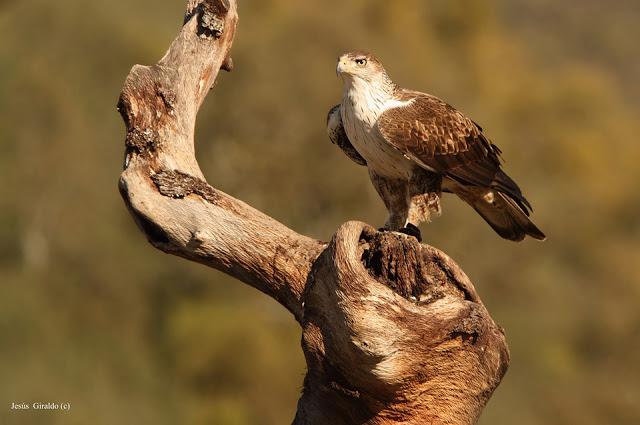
(505, 184)
(503, 213)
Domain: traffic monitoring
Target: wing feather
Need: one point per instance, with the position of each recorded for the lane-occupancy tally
(338, 136)
(440, 138)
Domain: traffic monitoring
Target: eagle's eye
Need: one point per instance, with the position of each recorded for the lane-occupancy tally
(361, 61)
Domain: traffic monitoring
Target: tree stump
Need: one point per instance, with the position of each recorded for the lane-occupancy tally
(393, 331)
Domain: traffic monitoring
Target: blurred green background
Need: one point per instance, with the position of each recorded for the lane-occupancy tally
(93, 315)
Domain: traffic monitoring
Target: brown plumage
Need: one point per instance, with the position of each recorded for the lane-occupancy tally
(338, 136)
(419, 146)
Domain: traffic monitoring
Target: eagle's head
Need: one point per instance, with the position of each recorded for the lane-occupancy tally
(360, 65)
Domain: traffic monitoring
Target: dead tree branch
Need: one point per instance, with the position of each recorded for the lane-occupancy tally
(393, 331)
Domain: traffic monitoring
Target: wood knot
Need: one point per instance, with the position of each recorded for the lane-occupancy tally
(227, 64)
(471, 325)
(142, 141)
(211, 18)
(168, 98)
(176, 184)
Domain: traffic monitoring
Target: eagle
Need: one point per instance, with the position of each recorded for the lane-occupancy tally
(415, 147)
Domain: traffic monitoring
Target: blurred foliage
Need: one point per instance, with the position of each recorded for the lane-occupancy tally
(90, 314)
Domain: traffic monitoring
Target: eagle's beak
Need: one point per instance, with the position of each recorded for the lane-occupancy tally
(341, 68)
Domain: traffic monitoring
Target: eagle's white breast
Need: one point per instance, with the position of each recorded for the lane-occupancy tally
(362, 105)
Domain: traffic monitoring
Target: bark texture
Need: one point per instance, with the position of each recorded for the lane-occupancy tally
(393, 331)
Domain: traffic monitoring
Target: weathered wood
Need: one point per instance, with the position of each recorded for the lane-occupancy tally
(393, 331)
(162, 183)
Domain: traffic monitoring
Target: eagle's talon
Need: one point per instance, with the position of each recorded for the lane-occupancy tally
(412, 230)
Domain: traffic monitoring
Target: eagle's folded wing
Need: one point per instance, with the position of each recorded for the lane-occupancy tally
(441, 139)
(338, 136)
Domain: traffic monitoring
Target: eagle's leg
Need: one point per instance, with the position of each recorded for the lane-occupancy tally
(396, 197)
(425, 190)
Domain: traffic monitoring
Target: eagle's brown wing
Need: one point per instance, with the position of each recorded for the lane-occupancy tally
(338, 136)
(441, 139)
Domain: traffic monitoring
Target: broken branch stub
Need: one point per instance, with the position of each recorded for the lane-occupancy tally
(393, 331)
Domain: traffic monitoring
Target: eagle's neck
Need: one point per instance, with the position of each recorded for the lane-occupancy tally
(369, 99)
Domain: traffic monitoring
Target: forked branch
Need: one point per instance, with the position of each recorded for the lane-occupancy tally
(393, 331)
